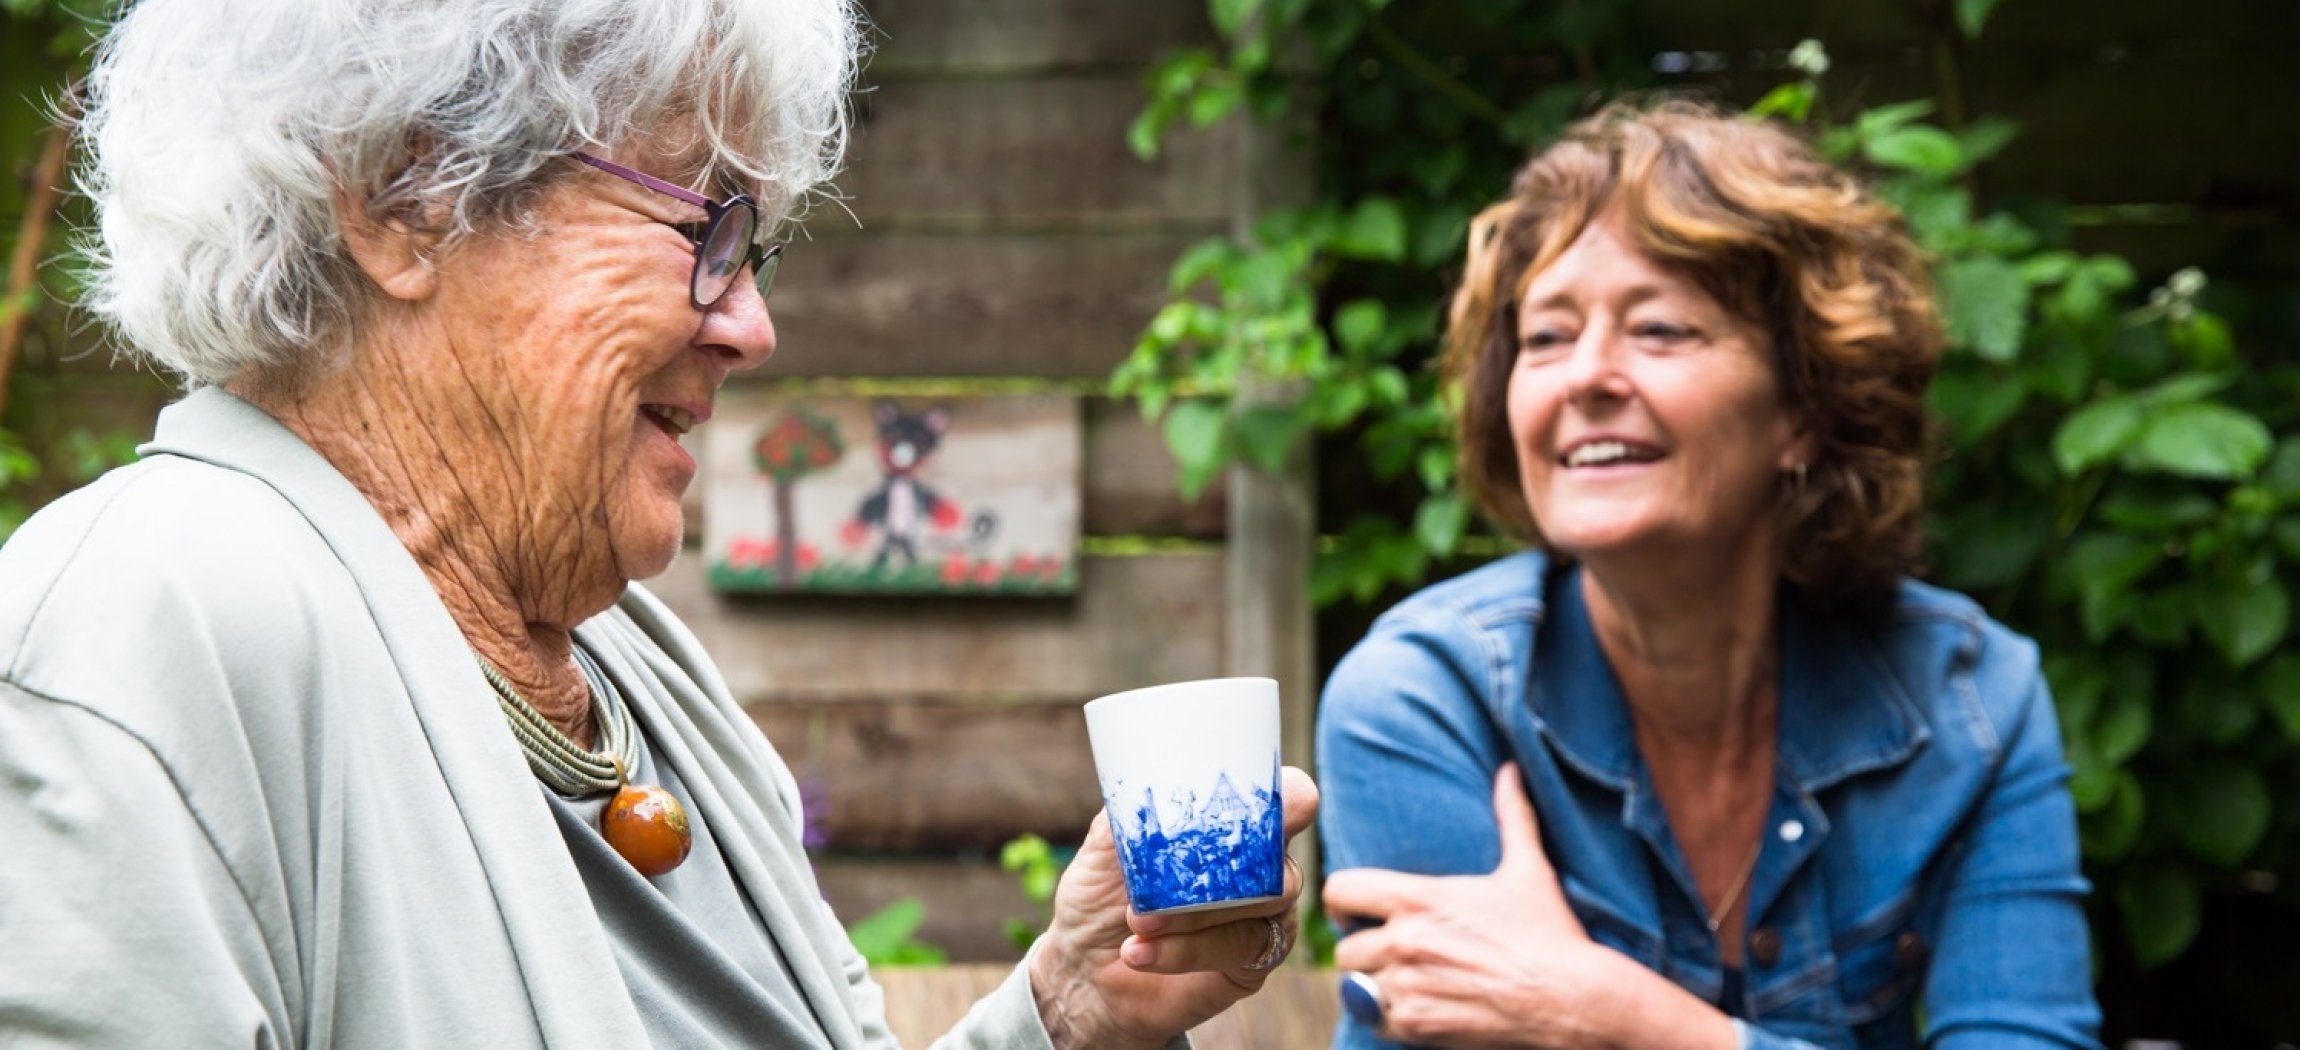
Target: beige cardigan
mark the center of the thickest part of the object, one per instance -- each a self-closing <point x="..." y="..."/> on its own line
<point x="254" y="792"/>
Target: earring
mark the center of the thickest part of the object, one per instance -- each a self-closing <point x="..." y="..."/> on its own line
<point x="1797" y="479"/>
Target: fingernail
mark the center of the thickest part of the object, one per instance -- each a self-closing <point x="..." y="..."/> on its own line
<point x="1138" y="953"/>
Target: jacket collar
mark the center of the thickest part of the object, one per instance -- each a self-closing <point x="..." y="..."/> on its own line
<point x="1843" y="709"/>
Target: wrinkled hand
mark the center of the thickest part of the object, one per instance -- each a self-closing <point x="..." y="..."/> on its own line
<point x="1476" y="961"/>
<point x="1109" y="979"/>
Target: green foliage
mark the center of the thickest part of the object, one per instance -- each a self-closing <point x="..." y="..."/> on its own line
<point x="1319" y="320"/>
<point x="2112" y="490"/>
<point x="2120" y="478"/>
<point x="1040" y="868"/>
<point x="889" y="936"/>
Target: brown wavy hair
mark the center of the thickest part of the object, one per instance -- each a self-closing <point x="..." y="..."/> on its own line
<point x="1782" y="239"/>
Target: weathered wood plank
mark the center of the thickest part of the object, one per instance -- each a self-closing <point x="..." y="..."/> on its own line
<point x="1295" y="1010"/>
<point x="1131" y="487"/>
<point x="1129" y="479"/>
<point x="1135" y="621"/>
<point x="1038" y="153"/>
<point x="931" y="775"/>
<point x="990" y="305"/>
<point x="1019" y="36"/>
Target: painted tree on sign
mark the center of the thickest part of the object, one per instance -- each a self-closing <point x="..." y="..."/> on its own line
<point x="796" y="444"/>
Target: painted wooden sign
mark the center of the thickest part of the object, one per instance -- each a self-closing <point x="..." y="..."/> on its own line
<point x="844" y="494"/>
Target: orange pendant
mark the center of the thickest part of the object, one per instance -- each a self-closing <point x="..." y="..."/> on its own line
<point x="648" y="827"/>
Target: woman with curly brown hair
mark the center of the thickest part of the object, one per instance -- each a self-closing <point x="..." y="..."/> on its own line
<point x="1786" y="795"/>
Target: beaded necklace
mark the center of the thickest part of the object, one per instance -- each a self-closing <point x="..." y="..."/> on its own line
<point x="643" y="823"/>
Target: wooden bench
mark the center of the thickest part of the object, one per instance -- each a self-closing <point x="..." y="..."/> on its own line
<point x="1295" y="1011"/>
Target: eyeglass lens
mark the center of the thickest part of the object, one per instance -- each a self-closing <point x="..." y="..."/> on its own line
<point x="726" y="248"/>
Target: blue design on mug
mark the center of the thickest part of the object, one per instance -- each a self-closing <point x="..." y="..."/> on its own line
<point x="1222" y="845"/>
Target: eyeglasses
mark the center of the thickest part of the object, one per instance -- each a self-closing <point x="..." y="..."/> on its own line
<point x="723" y="244"/>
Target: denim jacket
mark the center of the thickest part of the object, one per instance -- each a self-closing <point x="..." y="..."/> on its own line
<point x="1917" y="883"/>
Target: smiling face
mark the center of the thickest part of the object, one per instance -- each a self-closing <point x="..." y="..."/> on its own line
<point x="1644" y="415"/>
<point x="571" y="352"/>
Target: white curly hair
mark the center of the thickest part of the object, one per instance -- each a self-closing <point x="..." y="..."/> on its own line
<point x="218" y="132"/>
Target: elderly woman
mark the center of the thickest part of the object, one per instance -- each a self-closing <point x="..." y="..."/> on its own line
<point x="1786" y="796"/>
<point x="338" y="720"/>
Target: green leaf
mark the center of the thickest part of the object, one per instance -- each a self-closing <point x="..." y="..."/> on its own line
<point x="1988" y="306"/>
<point x="1215" y="99"/>
<point x="2206" y="340"/>
<point x="2161" y="620"/>
<point x="2203" y="440"/>
<point x="2280" y="686"/>
<point x="1230" y="15"/>
<point x="1920" y="148"/>
<point x="2105" y="565"/>
<point x="2244" y="619"/>
<point x="1144" y="131"/>
<point x="2184" y="388"/>
<point x="883" y="934"/>
<point x="2282" y="475"/>
<point x="2153" y="511"/>
<point x="1986" y="137"/>
<point x="1440" y="521"/>
<point x="1936" y="212"/>
<point x="2058" y="369"/>
<point x="1267" y="434"/>
<point x="1359" y="323"/>
<point x="1194" y="431"/>
<point x="1972" y="15"/>
<point x="1791" y="102"/>
<point x="1203" y="260"/>
<point x="2048" y="267"/>
<point x="2095" y="434"/>
<point x="2112" y="829"/>
<point x="2122" y="727"/>
<point x="1880" y="119"/>
<point x="1975" y="401"/>
<point x="1376" y="230"/>
<point x="2219" y="811"/>
<point x="2091" y="781"/>
<point x="2161" y="912"/>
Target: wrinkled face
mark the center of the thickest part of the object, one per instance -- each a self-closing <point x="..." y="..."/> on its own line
<point x="586" y="363"/>
<point x="1645" y="416"/>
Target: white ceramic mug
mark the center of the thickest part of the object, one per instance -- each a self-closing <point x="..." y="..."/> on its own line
<point x="1190" y="779"/>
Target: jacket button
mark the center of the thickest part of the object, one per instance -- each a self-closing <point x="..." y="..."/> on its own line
<point x="1911" y="951"/>
<point x="1765" y="946"/>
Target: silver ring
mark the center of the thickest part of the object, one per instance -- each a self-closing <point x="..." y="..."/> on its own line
<point x="1362" y="998"/>
<point x="1274" y="948"/>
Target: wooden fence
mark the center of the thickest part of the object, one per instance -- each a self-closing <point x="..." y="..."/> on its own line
<point x="1002" y="232"/>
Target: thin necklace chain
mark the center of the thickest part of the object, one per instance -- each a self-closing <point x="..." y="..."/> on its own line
<point x="1733" y="895"/>
<point x="560" y="763"/>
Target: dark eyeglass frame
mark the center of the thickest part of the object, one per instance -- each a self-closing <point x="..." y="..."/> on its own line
<point x="709" y="283"/>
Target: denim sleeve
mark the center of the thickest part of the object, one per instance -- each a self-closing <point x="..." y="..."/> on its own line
<point x="2012" y="966"/>
<point x="1406" y="760"/>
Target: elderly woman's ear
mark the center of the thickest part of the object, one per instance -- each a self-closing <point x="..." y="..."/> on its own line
<point x="395" y="253"/>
